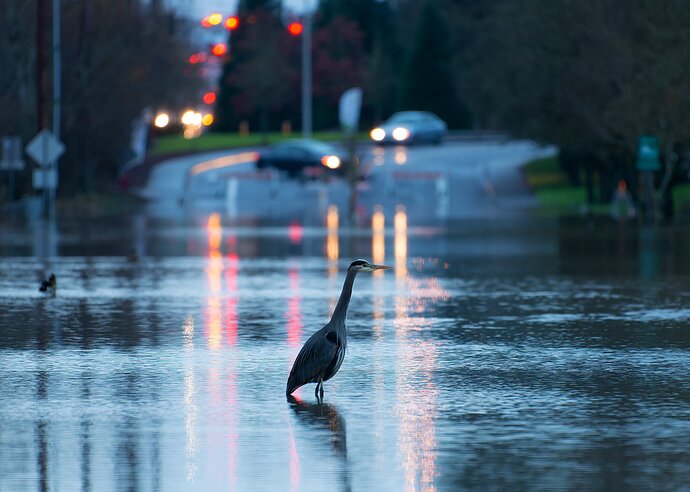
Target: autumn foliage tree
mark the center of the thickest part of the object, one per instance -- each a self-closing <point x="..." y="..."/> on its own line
<point x="339" y="64"/>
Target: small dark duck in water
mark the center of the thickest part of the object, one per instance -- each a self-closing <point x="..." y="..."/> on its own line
<point x="49" y="286"/>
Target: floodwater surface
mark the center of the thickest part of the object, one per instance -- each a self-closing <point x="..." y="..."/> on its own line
<point x="535" y="355"/>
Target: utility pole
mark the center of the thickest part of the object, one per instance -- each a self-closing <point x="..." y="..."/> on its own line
<point x="41" y="75"/>
<point x="306" y="73"/>
<point x="41" y="82"/>
<point x="57" y="94"/>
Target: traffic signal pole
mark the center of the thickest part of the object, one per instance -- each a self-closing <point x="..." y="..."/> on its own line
<point x="306" y="74"/>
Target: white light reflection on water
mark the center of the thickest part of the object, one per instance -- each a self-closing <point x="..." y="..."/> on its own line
<point x="214" y="270"/>
<point x="400" y="155"/>
<point x="222" y="384"/>
<point x="378" y="238"/>
<point x="415" y="387"/>
<point x="189" y="399"/>
<point x="378" y="349"/>
<point x="400" y="222"/>
<point x="549" y="379"/>
<point x="332" y="250"/>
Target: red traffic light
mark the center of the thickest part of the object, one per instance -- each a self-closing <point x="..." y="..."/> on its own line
<point x="232" y="23"/>
<point x="219" y="49"/>
<point x="197" y="58"/>
<point x="295" y="28"/>
<point x="209" y="98"/>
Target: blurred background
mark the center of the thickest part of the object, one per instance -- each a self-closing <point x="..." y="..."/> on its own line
<point x="199" y="174"/>
<point x="588" y="79"/>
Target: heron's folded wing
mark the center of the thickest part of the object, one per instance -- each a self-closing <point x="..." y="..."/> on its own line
<point x="315" y="356"/>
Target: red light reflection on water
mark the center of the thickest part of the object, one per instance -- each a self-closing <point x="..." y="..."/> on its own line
<point x="232" y="298"/>
<point x="222" y="319"/>
<point x="295" y="231"/>
<point x="212" y="316"/>
<point x="294" y="310"/>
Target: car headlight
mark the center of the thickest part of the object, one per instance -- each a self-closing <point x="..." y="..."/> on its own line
<point x="377" y="134"/>
<point x="401" y="133"/>
<point x="331" y="161"/>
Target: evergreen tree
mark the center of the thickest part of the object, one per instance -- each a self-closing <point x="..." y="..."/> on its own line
<point x="375" y="20"/>
<point x="429" y="84"/>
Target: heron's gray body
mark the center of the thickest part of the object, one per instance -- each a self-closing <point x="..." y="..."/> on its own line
<point x="320" y="358"/>
<point x="324" y="351"/>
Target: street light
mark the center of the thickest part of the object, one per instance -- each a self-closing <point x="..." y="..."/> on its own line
<point x="304" y="29"/>
<point x="306" y="76"/>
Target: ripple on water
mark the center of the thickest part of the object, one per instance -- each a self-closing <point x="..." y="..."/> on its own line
<point x="174" y="372"/>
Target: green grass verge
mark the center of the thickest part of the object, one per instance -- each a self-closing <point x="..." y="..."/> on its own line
<point x="557" y="196"/>
<point x="681" y="196"/>
<point x="216" y="141"/>
<point x="550" y="186"/>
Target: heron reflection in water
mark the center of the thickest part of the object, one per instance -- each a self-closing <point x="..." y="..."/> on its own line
<point x="322" y="415"/>
<point x="324" y="351"/>
<point x="325" y="416"/>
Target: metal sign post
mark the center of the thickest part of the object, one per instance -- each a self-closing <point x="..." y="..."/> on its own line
<point x="57" y="99"/>
<point x="45" y="149"/>
<point x="648" y="162"/>
<point x="306" y="73"/>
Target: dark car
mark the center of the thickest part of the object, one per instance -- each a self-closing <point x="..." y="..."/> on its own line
<point x="301" y="156"/>
<point x="407" y="127"/>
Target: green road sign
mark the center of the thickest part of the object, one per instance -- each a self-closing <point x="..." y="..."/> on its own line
<point x="648" y="153"/>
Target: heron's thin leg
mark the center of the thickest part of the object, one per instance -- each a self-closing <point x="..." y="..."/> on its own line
<point x="316" y="390"/>
<point x="322" y="390"/>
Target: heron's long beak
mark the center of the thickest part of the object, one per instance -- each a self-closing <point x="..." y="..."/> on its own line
<point x="379" y="267"/>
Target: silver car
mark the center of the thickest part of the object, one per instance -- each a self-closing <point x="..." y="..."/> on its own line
<point x="408" y="127"/>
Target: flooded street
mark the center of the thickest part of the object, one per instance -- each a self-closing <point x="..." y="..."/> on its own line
<point x="493" y="356"/>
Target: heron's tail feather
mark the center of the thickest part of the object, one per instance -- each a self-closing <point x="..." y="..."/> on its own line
<point x="292" y="385"/>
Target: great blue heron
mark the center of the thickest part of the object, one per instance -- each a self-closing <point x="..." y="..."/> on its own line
<point x="322" y="355"/>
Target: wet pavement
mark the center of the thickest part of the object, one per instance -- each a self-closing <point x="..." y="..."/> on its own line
<point x="505" y="354"/>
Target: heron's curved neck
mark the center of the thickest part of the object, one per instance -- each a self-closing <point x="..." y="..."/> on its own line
<point x="340" y="312"/>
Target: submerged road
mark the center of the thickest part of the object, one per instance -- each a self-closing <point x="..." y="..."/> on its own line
<point x="456" y="180"/>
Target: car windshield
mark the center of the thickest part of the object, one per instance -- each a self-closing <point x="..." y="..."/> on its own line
<point x="407" y="117"/>
<point x="308" y="145"/>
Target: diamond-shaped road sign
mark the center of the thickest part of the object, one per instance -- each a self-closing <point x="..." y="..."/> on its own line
<point x="44" y="148"/>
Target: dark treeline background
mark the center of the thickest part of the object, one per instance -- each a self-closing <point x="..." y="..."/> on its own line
<point x="118" y="58"/>
<point x="588" y="77"/>
<point x="401" y="53"/>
